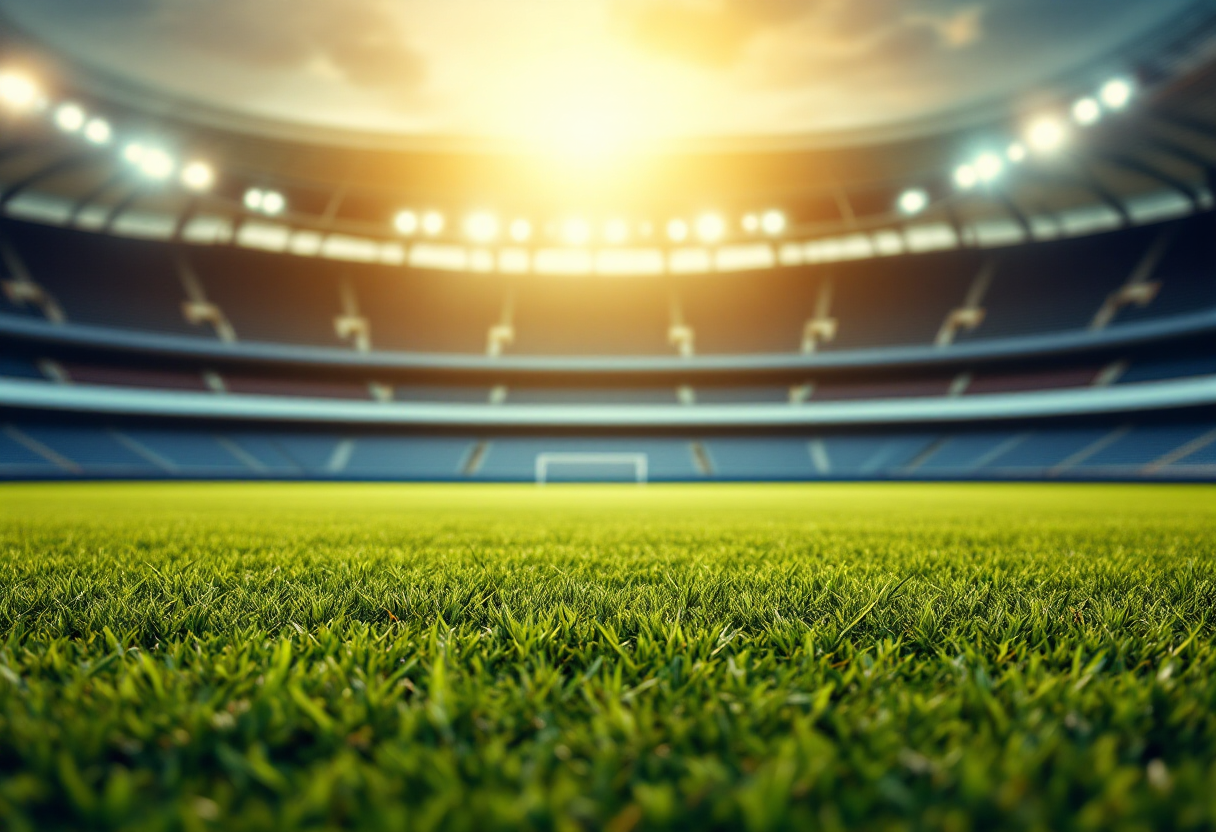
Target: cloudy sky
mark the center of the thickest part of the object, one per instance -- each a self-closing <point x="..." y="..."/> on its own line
<point x="571" y="70"/>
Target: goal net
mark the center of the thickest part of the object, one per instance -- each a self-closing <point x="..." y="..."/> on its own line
<point x="591" y="467"/>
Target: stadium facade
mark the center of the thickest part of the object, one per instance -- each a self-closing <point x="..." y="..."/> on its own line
<point x="1030" y="297"/>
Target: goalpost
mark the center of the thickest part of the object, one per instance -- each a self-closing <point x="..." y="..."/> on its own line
<point x="639" y="462"/>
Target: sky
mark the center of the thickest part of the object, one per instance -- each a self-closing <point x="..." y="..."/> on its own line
<point x="587" y="71"/>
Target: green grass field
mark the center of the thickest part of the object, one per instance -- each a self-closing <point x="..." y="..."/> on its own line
<point x="755" y="657"/>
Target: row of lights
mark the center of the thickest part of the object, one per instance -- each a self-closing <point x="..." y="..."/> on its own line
<point x="1043" y="136"/>
<point x="20" y="94"/>
<point x="484" y="227"/>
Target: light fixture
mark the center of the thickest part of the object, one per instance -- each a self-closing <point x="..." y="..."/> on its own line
<point x="432" y="223"/>
<point x="406" y="222"/>
<point x="521" y="230"/>
<point x="1046" y="134"/>
<point x="576" y="231"/>
<point x="481" y="227"/>
<point x="710" y="228"/>
<point x="616" y="231"/>
<point x="19" y="91"/>
<point x="155" y="163"/>
<point x="133" y="153"/>
<point x="270" y="203"/>
<point x="198" y="176"/>
<point x="989" y="166"/>
<point x="98" y="131"/>
<point x="913" y="201"/>
<point x="273" y="203"/>
<point x="965" y="177"/>
<point x="677" y="231"/>
<point x="773" y="223"/>
<point x="1016" y="153"/>
<point x="1116" y="93"/>
<point x="1087" y="111"/>
<point x="751" y="223"/>
<point x="69" y="117"/>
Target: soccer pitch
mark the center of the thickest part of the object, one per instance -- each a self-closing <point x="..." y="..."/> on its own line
<point x="268" y="656"/>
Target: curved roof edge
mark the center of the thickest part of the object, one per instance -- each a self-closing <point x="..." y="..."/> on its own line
<point x="1148" y="396"/>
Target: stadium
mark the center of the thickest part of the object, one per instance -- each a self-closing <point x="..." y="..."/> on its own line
<point x="867" y="358"/>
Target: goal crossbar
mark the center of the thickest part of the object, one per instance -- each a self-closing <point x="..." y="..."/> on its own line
<point x="639" y="462"/>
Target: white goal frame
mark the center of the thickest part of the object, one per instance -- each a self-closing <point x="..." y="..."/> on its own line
<point x="640" y="463"/>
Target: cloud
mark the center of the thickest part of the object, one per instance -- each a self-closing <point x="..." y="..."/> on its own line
<point x="361" y="41"/>
<point x="824" y="32"/>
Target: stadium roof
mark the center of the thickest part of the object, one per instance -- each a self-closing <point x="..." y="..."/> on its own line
<point x="569" y="73"/>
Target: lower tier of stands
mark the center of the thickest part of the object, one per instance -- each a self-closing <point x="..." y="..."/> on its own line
<point x="1133" y="449"/>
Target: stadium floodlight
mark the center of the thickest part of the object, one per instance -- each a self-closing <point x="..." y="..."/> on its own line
<point x="773" y="223"/>
<point x="751" y="223"/>
<point x="521" y="230"/>
<point x="989" y="166"/>
<point x="710" y="227"/>
<point x="576" y="231"/>
<point x="1117" y="93"/>
<point x="273" y="203"/>
<point x="432" y="223"/>
<point x="1046" y="134"/>
<point x="69" y="117"/>
<point x="1087" y="111"/>
<point x="254" y="198"/>
<point x="481" y="227"/>
<point x="965" y="177"/>
<point x="198" y="176"/>
<point x="155" y="163"/>
<point x="98" y="131"/>
<point x="406" y="222"/>
<point x="1016" y="153"/>
<point x="913" y="201"/>
<point x="134" y="152"/>
<point x="677" y="231"/>
<point x="18" y="91"/>
<point x="616" y="231"/>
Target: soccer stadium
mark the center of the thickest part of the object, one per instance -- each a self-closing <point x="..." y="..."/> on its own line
<point x="607" y="414"/>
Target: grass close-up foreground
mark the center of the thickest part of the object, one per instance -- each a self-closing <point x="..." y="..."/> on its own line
<point x="269" y="656"/>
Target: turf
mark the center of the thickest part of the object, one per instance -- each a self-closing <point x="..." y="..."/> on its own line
<point x="759" y="657"/>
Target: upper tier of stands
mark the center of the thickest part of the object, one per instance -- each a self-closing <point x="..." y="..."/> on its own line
<point x="945" y="297"/>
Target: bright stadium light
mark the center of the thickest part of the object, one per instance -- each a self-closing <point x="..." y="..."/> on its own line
<point x="481" y="227"/>
<point x="913" y="201"/>
<point x="155" y="163"/>
<point x="965" y="177"/>
<point x="616" y="231"/>
<point x="710" y="228"/>
<point x="432" y="223"/>
<point x="773" y="223"/>
<point x="133" y="153"/>
<point x="576" y="231"/>
<point x="989" y="166"/>
<point x="1117" y="93"/>
<point x="253" y="199"/>
<point x="677" y="231"/>
<point x="751" y="223"/>
<point x="18" y="91"/>
<point x="198" y="176"/>
<point x="1087" y="111"/>
<point x="98" y="131"/>
<point x="521" y="230"/>
<point x="406" y="222"/>
<point x="273" y="203"/>
<point x="1046" y="134"/>
<point x="69" y="117"/>
<point x="1016" y="153"/>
